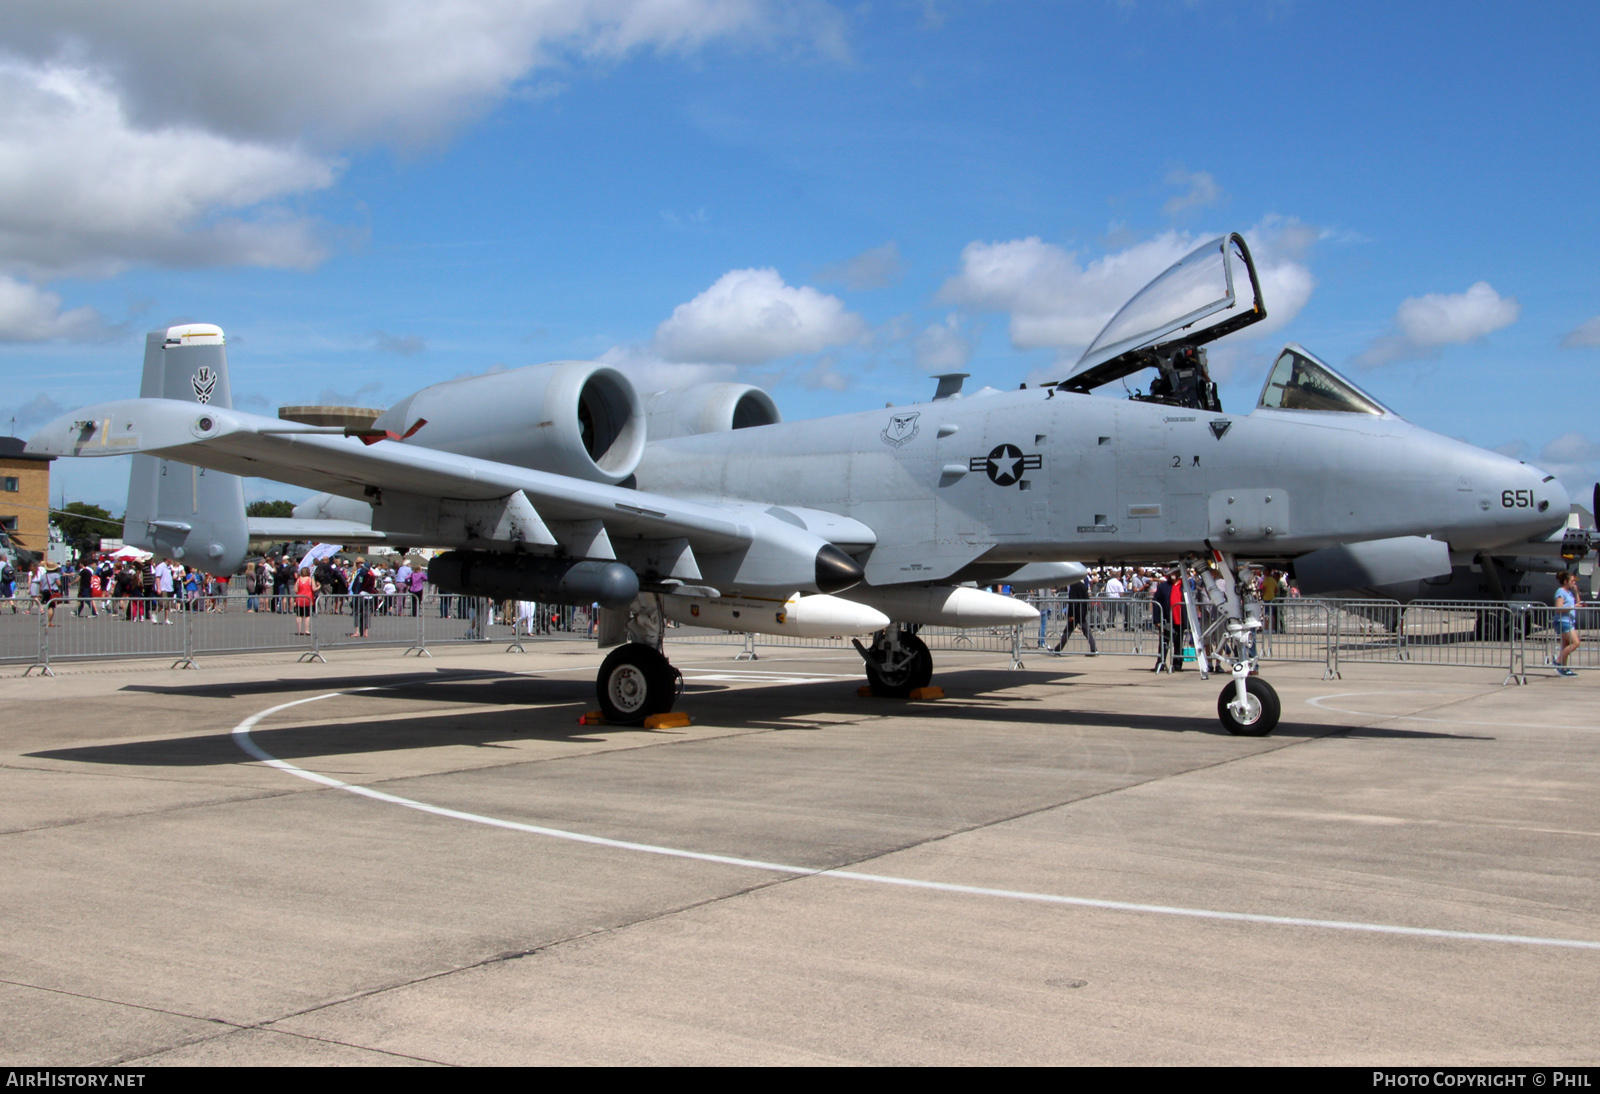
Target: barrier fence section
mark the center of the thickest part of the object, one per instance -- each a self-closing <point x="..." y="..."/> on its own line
<point x="182" y="630"/>
<point x="1542" y="637"/>
<point x="1334" y="632"/>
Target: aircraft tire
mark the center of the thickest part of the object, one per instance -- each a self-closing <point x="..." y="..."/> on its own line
<point x="1265" y="709"/>
<point x="635" y="681"/>
<point x="918" y="673"/>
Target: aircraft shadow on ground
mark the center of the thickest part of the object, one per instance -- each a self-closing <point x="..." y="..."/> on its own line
<point x="501" y="710"/>
<point x="423" y="684"/>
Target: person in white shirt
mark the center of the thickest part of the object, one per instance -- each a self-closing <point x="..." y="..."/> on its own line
<point x="163" y="574"/>
<point x="1114" y="590"/>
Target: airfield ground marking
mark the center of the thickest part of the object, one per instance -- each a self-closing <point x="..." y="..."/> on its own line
<point x="241" y="736"/>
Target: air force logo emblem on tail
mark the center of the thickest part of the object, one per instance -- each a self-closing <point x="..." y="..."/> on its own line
<point x="204" y="383"/>
<point x="901" y="428"/>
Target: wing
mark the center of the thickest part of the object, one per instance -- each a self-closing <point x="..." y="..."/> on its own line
<point x="452" y="500"/>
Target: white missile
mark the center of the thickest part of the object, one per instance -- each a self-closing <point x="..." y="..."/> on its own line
<point x="946" y="605"/>
<point x="817" y="616"/>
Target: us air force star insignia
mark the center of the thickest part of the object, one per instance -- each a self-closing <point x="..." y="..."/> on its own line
<point x="1005" y="464"/>
<point x="204" y="383"/>
<point x="901" y="428"/>
<point x="1219" y="426"/>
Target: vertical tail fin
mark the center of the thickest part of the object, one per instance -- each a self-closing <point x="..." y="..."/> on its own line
<point x="175" y="509"/>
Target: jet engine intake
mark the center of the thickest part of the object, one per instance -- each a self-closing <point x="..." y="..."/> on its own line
<point x="708" y="408"/>
<point x="530" y="577"/>
<point x="573" y="418"/>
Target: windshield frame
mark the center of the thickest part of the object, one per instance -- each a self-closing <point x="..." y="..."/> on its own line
<point x="1382" y="410"/>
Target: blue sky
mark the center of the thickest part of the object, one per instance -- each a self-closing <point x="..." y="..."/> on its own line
<point x="832" y="200"/>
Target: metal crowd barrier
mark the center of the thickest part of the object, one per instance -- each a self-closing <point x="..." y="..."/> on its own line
<point x="1542" y="641"/>
<point x="1334" y="632"/>
<point x="1337" y="632"/>
<point x="182" y="630"/>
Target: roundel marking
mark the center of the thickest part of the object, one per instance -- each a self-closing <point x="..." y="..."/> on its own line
<point x="1005" y="464"/>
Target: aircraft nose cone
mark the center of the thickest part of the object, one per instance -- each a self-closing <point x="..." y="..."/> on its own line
<point x="1529" y="503"/>
<point x="1556" y="494"/>
<point x="837" y="571"/>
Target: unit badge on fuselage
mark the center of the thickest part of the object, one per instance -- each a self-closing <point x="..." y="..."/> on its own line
<point x="901" y="428"/>
<point x="1005" y="464"/>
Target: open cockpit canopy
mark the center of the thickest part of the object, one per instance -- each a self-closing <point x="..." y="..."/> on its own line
<point x="1195" y="301"/>
<point x="1299" y="381"/>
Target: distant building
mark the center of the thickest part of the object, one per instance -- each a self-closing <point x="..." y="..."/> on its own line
<point x="24" y="496"/>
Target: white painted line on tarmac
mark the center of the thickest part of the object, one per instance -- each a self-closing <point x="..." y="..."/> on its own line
<point x="241" y="736"/>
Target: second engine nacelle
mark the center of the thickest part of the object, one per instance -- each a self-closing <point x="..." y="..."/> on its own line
<point x="708" y="408"/>
<point x="571" y="417"/>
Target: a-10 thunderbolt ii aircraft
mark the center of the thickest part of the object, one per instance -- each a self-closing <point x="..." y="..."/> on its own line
<point x="541" y="482"/>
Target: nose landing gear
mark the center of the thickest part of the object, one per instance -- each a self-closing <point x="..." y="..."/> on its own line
<point x="1251" y="711"/>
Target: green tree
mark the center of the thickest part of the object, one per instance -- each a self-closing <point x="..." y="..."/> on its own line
<point x="269" y="509"/>
<point x="83" y="524"/>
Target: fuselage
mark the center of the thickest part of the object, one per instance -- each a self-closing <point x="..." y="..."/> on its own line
<point x="1026" y="476"/>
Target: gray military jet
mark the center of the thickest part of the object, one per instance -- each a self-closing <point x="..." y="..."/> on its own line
<point x="557" y="483"/>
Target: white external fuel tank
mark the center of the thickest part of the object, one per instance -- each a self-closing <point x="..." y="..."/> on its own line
<point x="945" y="605"/>
<point x="816" y="616"/>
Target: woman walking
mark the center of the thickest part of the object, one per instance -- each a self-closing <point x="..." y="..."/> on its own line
<point x="1567" y="620"/>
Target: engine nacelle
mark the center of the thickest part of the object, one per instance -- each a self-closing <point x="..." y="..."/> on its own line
<point x="573" y="418"/>
<point x="708" y="408"/>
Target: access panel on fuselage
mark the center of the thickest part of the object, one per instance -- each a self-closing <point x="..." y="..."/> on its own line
<point x="1169" y="460"/>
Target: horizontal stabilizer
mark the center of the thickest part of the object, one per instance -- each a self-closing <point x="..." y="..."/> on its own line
<point x="1357" y="566"/>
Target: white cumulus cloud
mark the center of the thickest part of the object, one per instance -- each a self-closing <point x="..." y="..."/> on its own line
<point x="365" y="70"/>
<point x="943" y="347"/>
<point x="751" y="316"/>
<point x="181" y="133"/>
<point x="85" y="189"/>
<point x="650" y="372"/>
<point x="1424" y="324"/>
<point x="30" y="314"/>
<point x="1056" y="300"/>
<point x="1279" y="245"/>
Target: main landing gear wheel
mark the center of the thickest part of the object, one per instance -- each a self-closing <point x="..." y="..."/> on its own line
<point x="1259" y="715"/>
<point x="635" y="682"/>
<point x="915" y="670"/>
